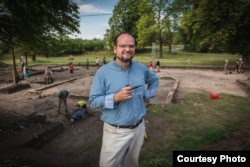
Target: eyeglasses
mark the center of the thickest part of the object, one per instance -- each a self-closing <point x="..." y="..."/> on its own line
<point x="127" y="46"/>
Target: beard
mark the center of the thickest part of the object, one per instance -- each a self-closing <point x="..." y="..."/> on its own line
<point x="123" y="59"/>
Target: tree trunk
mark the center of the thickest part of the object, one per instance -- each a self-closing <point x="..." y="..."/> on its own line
<point x="170" y="41"/>
<point x="160" y="50"/>
<point x="33" y="57"/>
<point x="169" y="48"/>
<point x="246" y="59"/>
<point x="26" y="59"/>
<point x="160" y="46"/>
<point x="15" y="73"/>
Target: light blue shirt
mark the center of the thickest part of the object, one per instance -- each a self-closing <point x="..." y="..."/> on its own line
<point x="109" y="79"/>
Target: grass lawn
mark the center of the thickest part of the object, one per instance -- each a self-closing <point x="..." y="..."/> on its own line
<point x="192" y="124"/>
<point x="175" y="59"/>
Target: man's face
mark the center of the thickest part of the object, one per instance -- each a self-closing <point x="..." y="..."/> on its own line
<point x="125" y="48"/>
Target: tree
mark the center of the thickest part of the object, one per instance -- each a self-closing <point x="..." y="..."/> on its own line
<point x="211" y="25"/>
<point x="162" y="31"/>
<point x="31" y="24"/>
<point x="147" y="20"/>
<point x="154" y="24"/>
<point x="146" y="24"/>
<point x="124" y="19"/>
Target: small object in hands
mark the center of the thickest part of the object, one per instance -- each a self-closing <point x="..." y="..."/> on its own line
<point x="214" y="96"/>
<point x="135" y="86"/>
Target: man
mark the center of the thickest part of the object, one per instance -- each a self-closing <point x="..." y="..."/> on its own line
<point x="71" y="68"/>
<point x="87" y="63"/>
<point x="62" y="96"/>
<point x="97" y="62"/>
<point x="241" y="70"/>
<point x="118" y="90"/>
<point x="48" y="79"/>
<point x="158" y="65"/>
<point x="80" y="111"/>
<point x="226" y="64"/>
<point x="26" y="73"/>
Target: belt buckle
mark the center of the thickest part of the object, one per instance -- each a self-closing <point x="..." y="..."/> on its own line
<point x="131" y="126"/>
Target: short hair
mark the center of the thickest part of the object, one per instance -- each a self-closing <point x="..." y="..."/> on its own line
<point x="115" y="40"/>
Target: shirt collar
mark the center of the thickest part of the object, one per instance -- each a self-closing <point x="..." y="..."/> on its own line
<point x="116" y="65"/>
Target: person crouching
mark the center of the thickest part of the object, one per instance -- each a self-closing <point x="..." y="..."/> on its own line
<point x="80" y="111"/>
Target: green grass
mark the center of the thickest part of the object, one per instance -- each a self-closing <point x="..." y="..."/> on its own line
<point x="180" y="58"/>
<point x="192" y="124"/>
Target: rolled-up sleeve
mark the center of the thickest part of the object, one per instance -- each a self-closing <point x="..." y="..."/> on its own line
<point x="109" y="101"/>
<point x="148" y="94"/>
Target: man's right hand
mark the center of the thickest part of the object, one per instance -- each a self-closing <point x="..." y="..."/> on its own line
<point x="123" y="94"/>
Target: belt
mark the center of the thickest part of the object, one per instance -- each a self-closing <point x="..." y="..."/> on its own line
<point x="128" y="126"/>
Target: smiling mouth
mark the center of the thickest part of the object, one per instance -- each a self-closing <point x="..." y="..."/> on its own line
<point x="127" y="55"/>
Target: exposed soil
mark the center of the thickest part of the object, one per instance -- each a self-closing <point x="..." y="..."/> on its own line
<point x="68" y="145"/>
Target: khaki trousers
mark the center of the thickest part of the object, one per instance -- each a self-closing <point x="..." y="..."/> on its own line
<point x="121" y="146"/>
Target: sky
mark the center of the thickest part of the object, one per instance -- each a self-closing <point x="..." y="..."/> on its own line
<point x="95" y="15"/>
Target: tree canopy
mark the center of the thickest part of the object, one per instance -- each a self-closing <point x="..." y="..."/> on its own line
<point x="202" y="26"/>
<point x="217" y="26"/>
<point x="32" y="25"/>
<point x="148" y="20"/>
<point x="124" y="19"/>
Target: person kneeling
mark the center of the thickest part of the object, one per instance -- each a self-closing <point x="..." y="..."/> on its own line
<point x="80" y="111"/>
